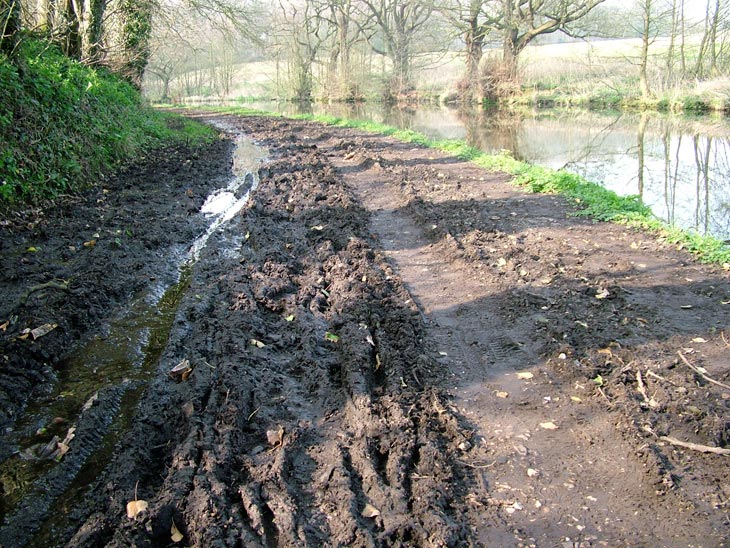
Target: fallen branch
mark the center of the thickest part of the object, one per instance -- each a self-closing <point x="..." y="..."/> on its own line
<point x="701" y="374"/>
<point x="696" y="446"/>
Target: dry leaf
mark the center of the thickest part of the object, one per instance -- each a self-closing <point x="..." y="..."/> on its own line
<point x="698" y="340"/>
<point x="134" y="507"/>
<point x="502" y="394"/>
<point x="175" y="533"/>
<point x="4" y="326"/>
<point x="257" y="343"/>
<point x="502" y="261"/>
<point x="602" y="294"/>
<point x="525" y="375"/>
<point x="275" y="437"/>
<point x="549" y="425"/>
<point x="370" y="511"/>
<point x="90" y="243"/>
<point x="44" y="329"/>
<point x="576" y="399"/>
<point x="182" y="370"/>
<point x="606" y="351"/>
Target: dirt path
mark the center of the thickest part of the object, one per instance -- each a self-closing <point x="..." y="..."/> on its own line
<point x="393" y="348"/>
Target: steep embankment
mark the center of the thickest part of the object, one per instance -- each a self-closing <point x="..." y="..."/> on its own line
<point x="63" y="125"/>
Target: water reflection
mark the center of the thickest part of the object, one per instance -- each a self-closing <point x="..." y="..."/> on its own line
<point x="679" y="166"/>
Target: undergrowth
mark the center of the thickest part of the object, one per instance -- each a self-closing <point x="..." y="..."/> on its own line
<point x="589" y="198"/>
<point x="63" y="125"/>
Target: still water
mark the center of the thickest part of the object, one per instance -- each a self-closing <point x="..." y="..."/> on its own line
<point x="679" y="166"/>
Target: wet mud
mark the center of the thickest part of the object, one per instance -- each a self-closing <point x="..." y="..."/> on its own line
<point x="384" y="347"/>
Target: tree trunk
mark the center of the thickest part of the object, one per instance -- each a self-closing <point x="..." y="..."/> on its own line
<point x="93" y="18"/>
<point x="136" y="30"/>
<point x="644" y="61"/>
<point x="9" y="25"/>
<point x="474" y="51"/>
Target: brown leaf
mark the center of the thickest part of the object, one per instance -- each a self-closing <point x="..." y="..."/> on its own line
<point x="275" y="437"/>
<point x="135" y="507"/>
<point x="175" y="533"/>
<point x="44" y="329"/>
<point x="182" y="370"/>
<point x="370" y="511"/>
<point x="4" y="326"/>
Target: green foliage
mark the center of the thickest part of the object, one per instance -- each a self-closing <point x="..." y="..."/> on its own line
<point x="63" y="124"/>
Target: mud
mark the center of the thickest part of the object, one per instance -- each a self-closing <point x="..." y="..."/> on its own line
<point x="389" y="347"/>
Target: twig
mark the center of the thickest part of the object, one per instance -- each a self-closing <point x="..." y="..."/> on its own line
<point x="696" y="446"/>
<point x="651" y="402"/>
<point x="478" y="466"/>
<point x="701" y="374"/>
<point x="604" y="395"/>
<point x="659" y="378"/>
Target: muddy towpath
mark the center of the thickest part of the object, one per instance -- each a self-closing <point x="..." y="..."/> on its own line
<point x="353" y="342"/>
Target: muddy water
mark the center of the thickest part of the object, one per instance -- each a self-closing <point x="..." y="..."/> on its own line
<point x="679" y="166"/>
<point x="99" y="385"/>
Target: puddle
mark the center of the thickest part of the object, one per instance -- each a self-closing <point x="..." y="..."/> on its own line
<point x="99" y="386"/>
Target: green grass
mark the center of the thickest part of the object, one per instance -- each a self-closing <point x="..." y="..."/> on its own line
<point x="590" y="199"/>
<point x="64" y="124"/>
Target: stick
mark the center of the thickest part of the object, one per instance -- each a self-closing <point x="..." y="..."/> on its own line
<point x="696" y="446"/>
<point x="660" y="378"/>
<point x="701" y="374"/>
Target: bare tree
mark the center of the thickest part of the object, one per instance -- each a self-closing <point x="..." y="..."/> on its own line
<point x="397" y="26"/>
<point x="519" y="22"/>
<point x="469" y="18"/>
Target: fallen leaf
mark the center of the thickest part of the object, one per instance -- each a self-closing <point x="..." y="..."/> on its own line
<point x="606" y="351"/>
<point x="290" y="318"/>
<point x="318" y="228"/>
<point x="502" y="394"/>
<point x="31" y="250"/>
<point x="175" y="533"/>
<point x="582" y="324"/>
<point x="377" y="362"/>
<point x="181" y="370"/>
<point x="90" y="243"/>
<point x="531" y="473"/>
<point x="4" y="326"/>
<point x="598" y="381"/>
<point x="134" y="507"/>
<point x="44" y="329"/>
<point x="370" y="511"/>
<point x="257" y="343"/>
<point x="603" y="294"/>
<point x="370" y="341"/>
<point x="576" y="399"/>
<point x="525" y="375"/>
<point x="331" y="337"/>
<point x="275" y="437"/>
<point x="549" y="425"/>
<point x="698" y="340"/>
<point x="502" y="261"/>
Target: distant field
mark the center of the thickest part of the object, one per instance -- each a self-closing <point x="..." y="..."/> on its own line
<point x="603" y="66"/>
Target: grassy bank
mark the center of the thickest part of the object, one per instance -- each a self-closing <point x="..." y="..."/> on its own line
<point x="64" y="124"/>
<point x="591" y="199"/>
